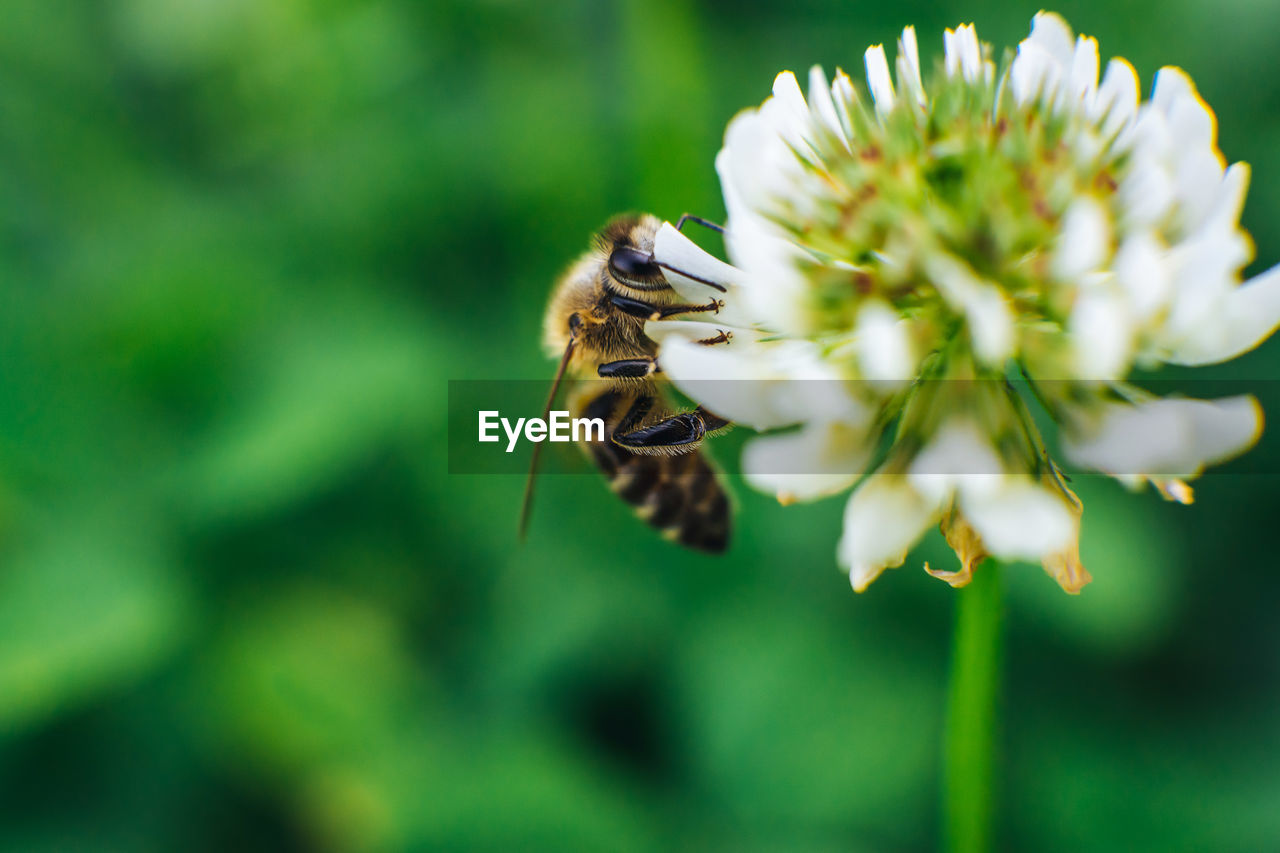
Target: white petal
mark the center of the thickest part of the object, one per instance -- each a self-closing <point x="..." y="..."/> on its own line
<point x="1204" y="284"/>
<point x="1250" y="315"/>
<point x="882" y="520"/>
<point x="1033" y="73"/>
<point x="990" y="321"/>
<point x="1193" y="122"/>
<point x="1172" y="85"/>
<point x="908" y="63"/>
<point x="1223" y="428"/>
<point x="761" y="385"/>
<point x="823" y="106"/>
<point x="1117" y="100"/>
<point x="1085" y="242"/>
<point x="731" y="382"/>
<point x="773" y="288"/>
<point x="1146" y="194"/>
<point x="1164" y="438"/>
<point x="950" y="52"/>
<point x="1019" y="521"/>
<point x="963" y="55"/>
<point x="878" y="79"/>
<point x="1228" y="201"/>
<point x="660" y="331"/>
<point x="673" y="249"/>
<point x="698" y="276"/>
<point x="1101" y="334"/>
<point x="761" y="161"/>
<point x="985" y="307"/>
<point x="755" y="165"/>
<point x="819" y="460"/>
<point x="846" y="99"/>
<point x="1083" y="76"/>
<point x="787" y="111"/>
<point x="1197" y="180"/>
<point x="958" y="454"/>
<point x="884" y="344"/>
<point x="811" y="388"/>
<point x="1143" y="273"/>
<point x="1051" y="33"/>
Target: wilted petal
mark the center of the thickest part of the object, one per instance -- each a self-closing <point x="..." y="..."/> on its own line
<point x="1064" y="565"/>
<point x="968" y="548"/>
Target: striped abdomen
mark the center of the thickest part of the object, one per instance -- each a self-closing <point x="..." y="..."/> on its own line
<point x="677" y="493"/>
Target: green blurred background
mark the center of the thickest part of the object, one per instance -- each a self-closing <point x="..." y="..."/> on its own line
<point x="245" y="244"/>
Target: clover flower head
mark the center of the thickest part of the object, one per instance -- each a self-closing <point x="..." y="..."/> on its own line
<point x="951" y="250"/>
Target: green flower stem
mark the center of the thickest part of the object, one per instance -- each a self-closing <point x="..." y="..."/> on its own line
<point x="968" y="783"/>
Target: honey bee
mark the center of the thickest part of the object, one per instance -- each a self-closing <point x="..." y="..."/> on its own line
<point x="650" y="452"/>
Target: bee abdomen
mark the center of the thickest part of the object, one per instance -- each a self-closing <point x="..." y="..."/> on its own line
<point x="678" y="495"/>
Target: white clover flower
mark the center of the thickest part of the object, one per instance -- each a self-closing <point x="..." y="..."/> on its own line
<point x="963" y="229"/>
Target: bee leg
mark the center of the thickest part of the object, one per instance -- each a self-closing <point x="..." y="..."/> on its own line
<point x="646" y="311"/>
<point x="722" y="338"/>
<point x="711" y="421"/>
<point x="685" y="430"/>
<point x="713" y="305"/>
<point x="635" y="413"/>
<point x="628" y="368"/>
<point x="705" y="223"/>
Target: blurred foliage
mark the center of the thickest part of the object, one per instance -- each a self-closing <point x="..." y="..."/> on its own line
<point x="244" y="246"/>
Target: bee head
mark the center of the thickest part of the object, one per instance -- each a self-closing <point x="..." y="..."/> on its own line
<point x="636" y="268"/>
<point x="629" y="241"/>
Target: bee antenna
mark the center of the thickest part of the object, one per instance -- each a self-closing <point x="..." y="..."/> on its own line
<point x="705" y="223"/>
<point x="527" y="506"/>
<point x="697" y="278"/>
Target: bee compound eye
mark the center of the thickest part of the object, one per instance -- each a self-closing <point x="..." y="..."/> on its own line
<point x="631" y="264"/>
